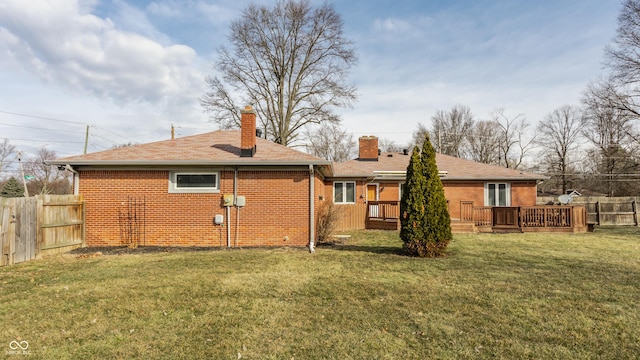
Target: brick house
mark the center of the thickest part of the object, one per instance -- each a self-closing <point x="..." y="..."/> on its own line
<point x="233" y="188"/>
<point x="168" y="193"/>
<point x="376" y="178"/>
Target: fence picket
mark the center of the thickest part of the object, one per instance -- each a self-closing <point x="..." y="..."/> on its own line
<point x="41" y="225"/>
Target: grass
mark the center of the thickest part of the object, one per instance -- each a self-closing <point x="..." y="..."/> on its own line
<point x="507" y="296"/>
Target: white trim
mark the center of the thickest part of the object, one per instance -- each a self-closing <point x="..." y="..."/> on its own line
<point x="344" y="192"/>
<point x="173" y="188"/>
<point x="497" y="193"/>
<point x="366" y="188"/>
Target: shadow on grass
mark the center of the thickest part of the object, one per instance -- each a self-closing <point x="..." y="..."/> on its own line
<point x="389" y="250"/>
<point x="119" y="250"/>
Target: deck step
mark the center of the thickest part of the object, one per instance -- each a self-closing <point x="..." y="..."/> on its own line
<point x="462" y="227"/>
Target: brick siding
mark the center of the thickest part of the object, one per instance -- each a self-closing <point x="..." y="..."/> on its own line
<point x="276" y="211"/>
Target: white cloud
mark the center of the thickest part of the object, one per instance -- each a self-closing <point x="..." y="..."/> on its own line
<point x="63" y="43"/>
<point x="215" y="13"/>
<point x="394" y="25"/>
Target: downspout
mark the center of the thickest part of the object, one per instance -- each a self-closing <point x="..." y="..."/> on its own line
<point x="235" y="197"/>
<point x="235" y="194"/>
<point x="312" y="228"/>
<point x="76" y="179"/>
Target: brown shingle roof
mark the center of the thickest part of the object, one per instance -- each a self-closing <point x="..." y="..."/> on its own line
<point x="456" y="168"/>
<point x="217" y="147"/>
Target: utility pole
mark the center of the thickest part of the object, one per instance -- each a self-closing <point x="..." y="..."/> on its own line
<point x="24" y="180"/>
<point x="86" y="139"/>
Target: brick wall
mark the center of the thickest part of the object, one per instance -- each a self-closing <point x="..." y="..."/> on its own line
<point x="389" y="191"/>
<point x="276" y="211"/>
<point x="522" y="193"/>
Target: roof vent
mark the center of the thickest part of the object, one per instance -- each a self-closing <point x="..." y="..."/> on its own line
<point x="405" y="151"/>
<point x="389" y="155"/>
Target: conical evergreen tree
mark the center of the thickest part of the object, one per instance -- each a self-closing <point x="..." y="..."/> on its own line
<point x="437" y="222"/>
<point x="412" y="205"/>
<point x="12" y="188"/>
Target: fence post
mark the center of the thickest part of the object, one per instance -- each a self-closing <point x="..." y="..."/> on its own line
<point x="598" y="212"/>
<point x="634" y="206"/>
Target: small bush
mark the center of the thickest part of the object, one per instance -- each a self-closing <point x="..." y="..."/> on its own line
<point x="328" y="217"/>
<point x="12" y="188"/>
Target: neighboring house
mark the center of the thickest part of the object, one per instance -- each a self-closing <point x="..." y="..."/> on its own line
<point x="168" y="193"/>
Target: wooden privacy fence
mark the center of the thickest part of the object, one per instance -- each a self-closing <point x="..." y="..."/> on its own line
<point x="606" y="210"/>
<point x="41" y="225"/>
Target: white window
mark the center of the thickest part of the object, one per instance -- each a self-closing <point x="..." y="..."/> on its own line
<point x="497" y="194"/>
<point x="344" y="192"/>
<point x="193" y="182"/>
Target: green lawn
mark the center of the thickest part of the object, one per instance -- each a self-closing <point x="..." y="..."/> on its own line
<point x="509" y="296"/>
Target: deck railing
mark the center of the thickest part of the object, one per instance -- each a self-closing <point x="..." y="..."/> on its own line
<point x="553" y="217"/>
<point x="383" y="215"/>
<point x="386" y="215"/>
<point x="384" y="209"/>
<point x="483" y="215"/>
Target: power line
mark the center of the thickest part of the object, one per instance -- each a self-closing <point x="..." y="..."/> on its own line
<point x="61" y="120"/>
<point x="42" y="117"/>
<point x="48" y="141"/>
<point x="39" y="128"/>
<point x="111" y="132"/>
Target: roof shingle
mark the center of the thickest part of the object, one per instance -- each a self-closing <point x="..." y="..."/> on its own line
<point x="456" y="168"/>
<point x="217" y="147"/>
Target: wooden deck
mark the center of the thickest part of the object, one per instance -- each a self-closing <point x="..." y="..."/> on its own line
<point x="385" y="215"/>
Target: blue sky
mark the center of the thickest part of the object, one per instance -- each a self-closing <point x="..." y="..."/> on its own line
<point x="130" y="69"/>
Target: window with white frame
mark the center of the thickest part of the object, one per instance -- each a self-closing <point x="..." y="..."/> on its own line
<point x="497" y="194"/>
<point x="344" y="192"/>
<point x="193" y="182"/>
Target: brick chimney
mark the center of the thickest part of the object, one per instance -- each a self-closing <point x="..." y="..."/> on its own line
<point x="248" y="132"/>
<point x="368" y="146"/>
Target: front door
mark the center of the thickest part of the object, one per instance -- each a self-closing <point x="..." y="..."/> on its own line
<point x="372" y="192"/>
<point x="372" y="195"/>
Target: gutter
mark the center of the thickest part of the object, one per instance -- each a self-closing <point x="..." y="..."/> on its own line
<point x="254" y="162"/>
<point x="76" y="179"/>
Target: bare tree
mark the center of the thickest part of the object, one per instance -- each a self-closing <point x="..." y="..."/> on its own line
<point x="623" y="59"/>
<point x="48" y="179"/>
<point x="332" y="143"/>
<point x="122" y="145"/>
<point x="483" y="144"/>
<point x="388" y="145"/>
<point x="515" y="143"/>
<point x="290" y="62"/>
<point x="610" y="130"/>
<point x="451" y="129"/>
<point x="559" y="133"/>
<point x="418" y="136"/>
<point x="7" y="154"/>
